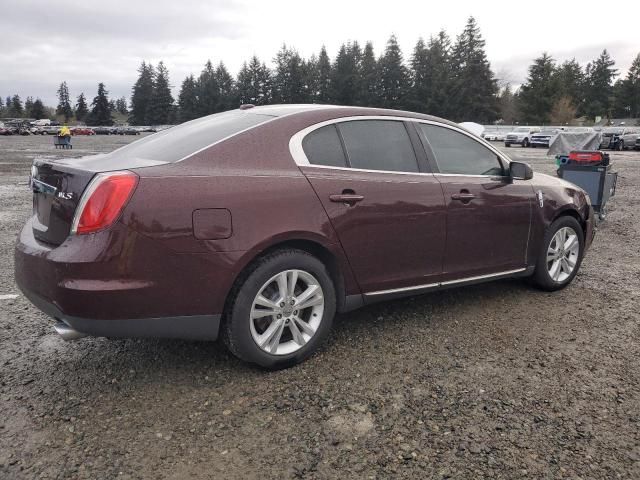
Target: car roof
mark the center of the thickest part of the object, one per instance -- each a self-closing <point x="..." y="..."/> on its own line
<point x="339" y="111"/>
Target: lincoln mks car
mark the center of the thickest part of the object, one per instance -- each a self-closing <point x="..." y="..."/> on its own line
<point x="257" y="225"/>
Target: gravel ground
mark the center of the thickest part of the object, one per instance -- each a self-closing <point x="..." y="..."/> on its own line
<point x="490" y="381"/>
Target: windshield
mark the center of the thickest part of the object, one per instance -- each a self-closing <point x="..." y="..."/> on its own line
<point x="178" y="142"/>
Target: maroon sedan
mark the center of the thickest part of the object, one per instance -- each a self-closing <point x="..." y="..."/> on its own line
<point x="259" y="224"/>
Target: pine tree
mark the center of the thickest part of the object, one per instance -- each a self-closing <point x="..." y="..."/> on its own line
<point x="161" y="102"/>
<point x="508" y="106"/>
<point x="16" y="106"/>
<point x="344" y="78"/>
<point x="141" y="94"/>
<point x="81" y="108"/>
<point x="208" y="91"/>
<point x="288" y="79"/>
<point x="393" y="76"/>
<point x="254" y="83"/>
<point x="64" y="107"/>
<point x="539" y="92"/>
<point x="37" y="110"/>
<point x="571" y="83"/>
<point x="100" y="112"/>
<point x="1" y="108"/>
<point x="599" y="86"/>
<point x="368" y="92"/>
<point x="323" y="79"/>
<point x="473" y="87"/>
<point x="121" y="106"/>
<point x="7" y="105"/>
<point x="188" y="100"/>
<point x="28" y="107"/>
<point x="228" y="96"/>
<point x="627" y="92"/>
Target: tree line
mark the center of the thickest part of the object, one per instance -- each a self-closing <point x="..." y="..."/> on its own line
<point x="442" y="77"/>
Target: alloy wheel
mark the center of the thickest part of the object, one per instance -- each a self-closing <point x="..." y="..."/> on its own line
<point x="287" y="312"/>
<point x="562" y="254"/>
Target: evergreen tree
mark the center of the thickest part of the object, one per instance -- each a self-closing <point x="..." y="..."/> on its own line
<point x="16" y="106"/>
<point x="508" y="106"/>
<point x="208" y="91"/>
<point x="161" y="102"/>
<point x="344" y="78"/>
<point x="7" y="105"/>
<point x="81" y="108"/>
<point x="100" y="112"/>
<point x="368" y="93"/>
<point x="473" y="86"/>
<point x="393" y="76"/>
<point x="188" y="100"/>
<point x="228" y="96"/>
<point x="64" y="106"/>
<point x="288" y="79"/>
<point x="627" y="92"/>
<point x="141" y="94"/>
<point x="539" y="92"/>
<point x="1" y="108"/>
<point x="112" y="106"/>
<point x="323" y="78"/>
<point x="28" y="107"/>
<point x="599" y="86"/>
<point x="121" y="106"/>
<point x="37" y="110"/>
<point x="570" y="83"/>
<point x="254" y="83"/>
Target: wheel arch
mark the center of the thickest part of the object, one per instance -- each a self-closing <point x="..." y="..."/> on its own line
<point x="572" y="212"/>
<point x="329" y="254"/>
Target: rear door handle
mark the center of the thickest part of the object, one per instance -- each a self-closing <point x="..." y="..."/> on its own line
<point x="347" y="198"/>
<point x="464" y="196"/>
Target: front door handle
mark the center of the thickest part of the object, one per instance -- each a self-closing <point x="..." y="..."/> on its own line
<point x="464" y="196"/>
<point x="348" y="197"/>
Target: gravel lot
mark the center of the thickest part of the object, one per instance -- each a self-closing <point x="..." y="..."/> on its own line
<point x="490" y="381"/>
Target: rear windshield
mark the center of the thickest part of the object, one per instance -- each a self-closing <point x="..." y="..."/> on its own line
<point x="187" y="138"/>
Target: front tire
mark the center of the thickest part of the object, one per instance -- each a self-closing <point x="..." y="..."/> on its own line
<point x="560" y="256"/>
<point x="281" y="311"/>
<point x="525" y="143"/>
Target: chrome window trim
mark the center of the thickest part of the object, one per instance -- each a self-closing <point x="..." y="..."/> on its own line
<point x="443" y="284"/>
<point x="300" y="158"/>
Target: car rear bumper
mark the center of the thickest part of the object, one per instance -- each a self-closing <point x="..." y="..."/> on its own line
<point x="118" y="283"/>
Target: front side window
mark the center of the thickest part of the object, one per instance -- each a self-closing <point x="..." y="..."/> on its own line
<point x="378" y="145"/>
<point x="457" y="153"/>
<point x="323" y="147"/>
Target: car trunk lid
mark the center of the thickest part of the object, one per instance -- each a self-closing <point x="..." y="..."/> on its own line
<point x="58" y="186"/>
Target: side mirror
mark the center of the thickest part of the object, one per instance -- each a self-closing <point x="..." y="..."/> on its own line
<point x="520" y="171"/>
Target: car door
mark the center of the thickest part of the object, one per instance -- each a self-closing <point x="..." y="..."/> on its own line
<point x="386" y="208"/>
<point x="488" y="213"/>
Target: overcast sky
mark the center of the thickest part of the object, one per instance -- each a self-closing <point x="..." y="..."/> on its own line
<point x="85" y="42"/>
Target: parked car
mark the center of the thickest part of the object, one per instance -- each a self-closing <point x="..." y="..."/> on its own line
<point x="521" y="136"/>
<point x="126" y="131"/>
<point x="5" y="131"/>
<point x="611" y="137"/>
<point x="258" y="224"/>
<point x="82" y="131"/>
<point x="492" y="135"/>
<point x="103" y="130"/>
<point x="543" y="137"/>
<point x="629" y="138"/>
<point x="49" y="130"/>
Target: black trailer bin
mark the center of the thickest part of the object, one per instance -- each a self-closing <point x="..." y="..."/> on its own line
<point x="597" y="180"/>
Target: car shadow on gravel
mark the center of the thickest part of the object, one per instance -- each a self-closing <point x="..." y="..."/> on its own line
<point x="174" y="360"/>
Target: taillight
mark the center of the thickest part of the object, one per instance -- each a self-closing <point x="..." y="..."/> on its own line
<point x="103" y="200"/>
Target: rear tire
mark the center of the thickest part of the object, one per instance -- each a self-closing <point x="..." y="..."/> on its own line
<point x="259" y="304"/>
<point x="558" y="262"/>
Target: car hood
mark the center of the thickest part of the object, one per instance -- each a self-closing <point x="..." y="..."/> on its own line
<point x="544" y="180"/>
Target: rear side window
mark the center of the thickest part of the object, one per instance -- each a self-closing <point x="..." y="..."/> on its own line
<point x="378" y="145"/>
<point x="323" y="147"/>
<point x="183" y="140"/>
<point x="460" y="154"/>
